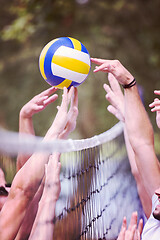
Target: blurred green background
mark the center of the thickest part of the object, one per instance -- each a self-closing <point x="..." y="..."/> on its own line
<point x="110" y="29"/>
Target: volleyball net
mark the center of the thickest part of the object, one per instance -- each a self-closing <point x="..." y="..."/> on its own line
<point x="97" y="187"/>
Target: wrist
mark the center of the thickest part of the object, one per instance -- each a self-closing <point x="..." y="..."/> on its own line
<point x="130" y="84"/>
<point x="24" y="115"/>
<point x="52" y="134"/>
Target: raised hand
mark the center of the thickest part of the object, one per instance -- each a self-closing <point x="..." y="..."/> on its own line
<point x="155" y="107"/>
<point x="38" y="103"/>
<point x="65" y="120"/>
<point x="72" y="116"/>
<point x="133" y="232"/>
<point x="35" y="105"/>
<point x="122" y="75"/>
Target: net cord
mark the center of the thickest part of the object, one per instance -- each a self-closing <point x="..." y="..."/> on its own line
<point x="12" y="144"/>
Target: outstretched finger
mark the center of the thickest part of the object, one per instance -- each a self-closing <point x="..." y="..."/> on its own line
<point x="115" y="85"/>
<point x="112" y="109"/>
<point x="133" y="220"/>
<point x="39" y="100"/>
<point x="64" y="103"/>
<point x="75" y="99"/>
<point x="71" y="124"/>
<point x="97" y="60"/>
<point x="121" y="235"/>
<point x="116" y="113"/>
<point x="110" y="96"/>
<point x="155" y="109"/>
<point x="70" y="94"/>
<point x="107" y="88"/>
<point x="103" y="67"/>
<point x="71" y="116"/>
<point x="140" y="226"/>
<point x="48" y="91"/>
<point x="157" y="92"/>
<point x="50" y="99"/>
<point x="155" y="103"/>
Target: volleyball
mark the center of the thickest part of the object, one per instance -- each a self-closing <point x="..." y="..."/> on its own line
<point x="64" y="62"/>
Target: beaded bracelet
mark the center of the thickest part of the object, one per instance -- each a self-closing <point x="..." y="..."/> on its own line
<point x="131" y="84"/>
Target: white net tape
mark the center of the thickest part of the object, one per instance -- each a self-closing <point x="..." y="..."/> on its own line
<point x="11" y="143"/>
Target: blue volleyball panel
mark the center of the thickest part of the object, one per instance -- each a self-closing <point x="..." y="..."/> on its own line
<point x="84" y="49"/>
<point x="75" y="84"/>
<point x="54" y="80"/>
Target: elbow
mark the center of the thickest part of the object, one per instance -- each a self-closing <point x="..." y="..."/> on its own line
<point x="20" y="191"/>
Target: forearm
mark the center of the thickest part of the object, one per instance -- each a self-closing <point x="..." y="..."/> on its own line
<point x="24" y="188"/>
<point x="25" y="126"/>
<point x="141" y="137"/>
<point x="44" y="223"/>
<point x="138" y="125"/>
<point x="29" y="177"/>
<point x="130" y="152"/>
<point x="143" y="195"/>
<point x="51" y="134"/>
<point x="28" y="221"/>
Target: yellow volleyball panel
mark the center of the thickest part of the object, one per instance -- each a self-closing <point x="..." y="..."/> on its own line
<point x="66" y="83"/>
<point x="71" y="64"/>
<point x="76" y="44"/>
